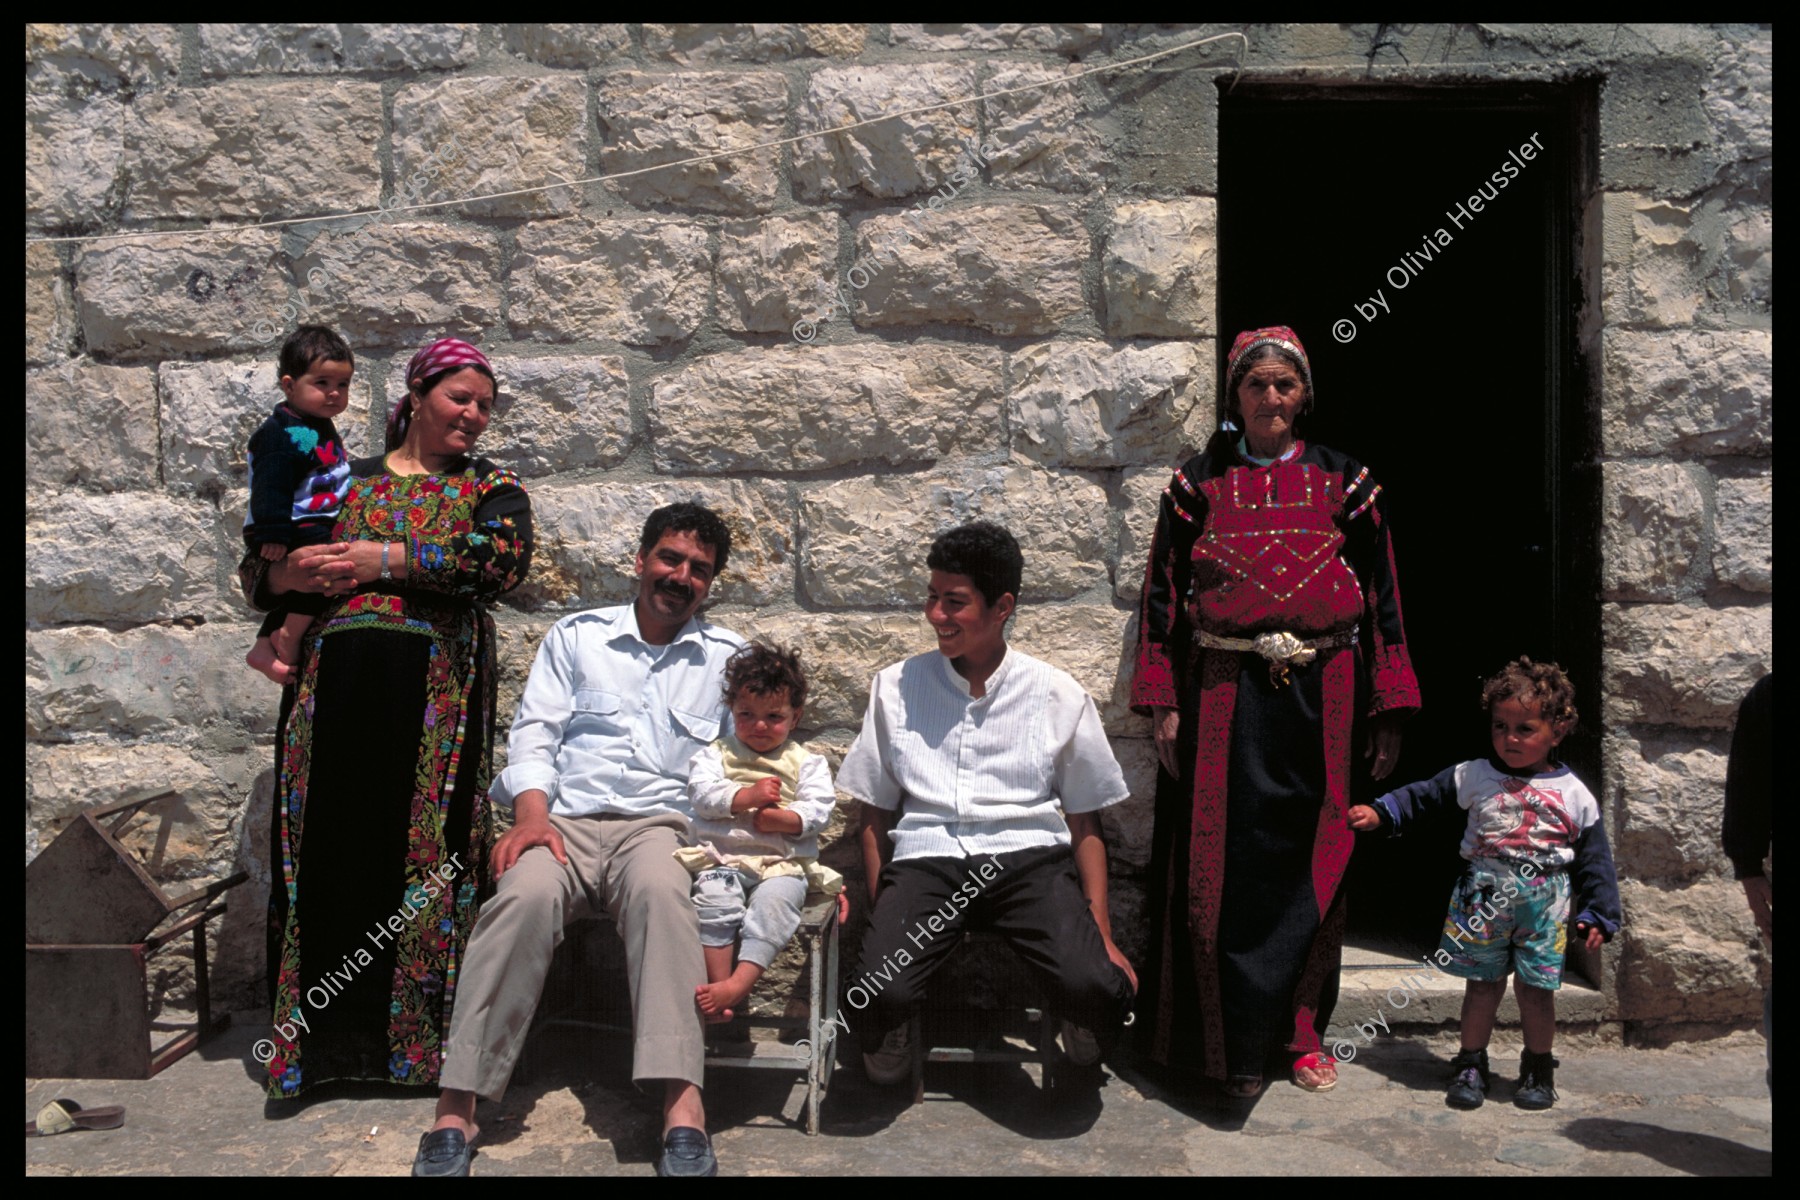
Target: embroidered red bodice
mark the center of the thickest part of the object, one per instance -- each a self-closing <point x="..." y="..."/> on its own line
<point x="1269" y="556"/>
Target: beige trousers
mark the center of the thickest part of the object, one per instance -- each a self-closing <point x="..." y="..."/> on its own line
<point x="624" y="867"/>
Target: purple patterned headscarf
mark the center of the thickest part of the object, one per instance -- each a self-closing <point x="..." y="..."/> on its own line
<point x="445" y="354"/>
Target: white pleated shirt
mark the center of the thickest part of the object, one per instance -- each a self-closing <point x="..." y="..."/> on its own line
<point x="980" y="776"/>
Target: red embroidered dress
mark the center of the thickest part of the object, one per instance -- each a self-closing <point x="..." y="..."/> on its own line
<point x="381" y="828"/>
<point x="1299" y="546"/>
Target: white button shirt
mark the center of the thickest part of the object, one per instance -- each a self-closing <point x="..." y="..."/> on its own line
<point x="980" y="776"/>
<point x="608" y="723"/>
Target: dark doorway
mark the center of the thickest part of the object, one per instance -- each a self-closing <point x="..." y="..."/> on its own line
<point x="1457" y="388"/>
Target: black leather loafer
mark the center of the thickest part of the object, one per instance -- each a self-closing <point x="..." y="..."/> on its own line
<point x="687" y="1153"/>
<point x="442" y="1152"/>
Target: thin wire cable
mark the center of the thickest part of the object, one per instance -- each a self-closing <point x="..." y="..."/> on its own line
<point x="684" y="162"/>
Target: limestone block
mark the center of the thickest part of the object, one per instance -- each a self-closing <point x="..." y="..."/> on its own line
<point x="1061" y="39"/>
<point x="641" y="282"/>
<point x="1006" y="268"/>
<point x="175" y="295"/>
<point x="511" y="133"/>
<point x="132" y="557"/>
<point x="1668" y="664"/>
<point x="865" y="540"/>
<point x="1652" y="519"/>
<point x="690" y="44"/>
<point x="770" y="267"/>
<point x="151" y="681"/>
<point x="110" y="56"/>
<point x="1689" y="392"/>
<point x="1159" y="268"/>
<point x="73" y="149"/>
<point x="1746" y="275"/>
<point x="209" y="411"/>
<point x="1141" y="489"/>
<point x="650" y="119"/>
<point x="1740" y="97"/>
<point x="891" y="158"/>
<point x="1653" y="268"/>
<point x="1651" y="108"/>
<point x="1130" y="824"/>
<point x="587" y="540"/>
<point x="553" y="414"/>
<point x="1690" y="953"/>
<point x="90" y="426"/>
<point x="403" y="284"/>
<point x="517" y="637"/>
<point x="1670" y="794"/>
<point x="229" y="151"/>
<point x="1047" y="138"/>
<point x="799" y="408"/>
<point x="49" y="317"/>
<point x="1096" y="643"/>
<point x="1088" y="404"/>
<point x="409" y="47"/>
<point x="1743" y="537"/>
<point x="260" y="49"/>
<point x="567" y="45"/>
<point x="189" y="837"/>
<point x="1172" y="144"/>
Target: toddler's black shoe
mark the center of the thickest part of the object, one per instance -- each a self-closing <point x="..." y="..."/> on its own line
<point x="1469" y="1086"/>
<point x="1537" y="1080"/>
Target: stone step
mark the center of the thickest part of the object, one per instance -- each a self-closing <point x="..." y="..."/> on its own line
<point x="1378" y="985"/>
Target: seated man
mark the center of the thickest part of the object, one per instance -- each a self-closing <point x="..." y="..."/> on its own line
<point x="964" y="755"/>
<point x="619" y="700"/>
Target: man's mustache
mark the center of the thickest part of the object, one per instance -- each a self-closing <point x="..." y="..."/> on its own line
<point x="678" y="590"/>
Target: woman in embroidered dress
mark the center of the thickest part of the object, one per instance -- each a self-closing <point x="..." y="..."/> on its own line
<point x="383" y="755"/>
<point x="1271" y="614"/>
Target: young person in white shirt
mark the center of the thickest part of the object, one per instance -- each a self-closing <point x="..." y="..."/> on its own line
<point x="982" y="772"/>
<point x="618" y="702"/>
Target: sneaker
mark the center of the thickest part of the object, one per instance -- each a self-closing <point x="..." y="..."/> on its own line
<point x="1537" y="1080"/>
<point x="893" y="1061"/>
<point x="1082" y="1047"/>
<point x="1469" y="1087"/>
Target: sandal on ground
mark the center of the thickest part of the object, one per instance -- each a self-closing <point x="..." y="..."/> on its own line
<point x="1322" y="1063"/>
<point x="64" y="1116"/>
<point x="1244" y="1087"/>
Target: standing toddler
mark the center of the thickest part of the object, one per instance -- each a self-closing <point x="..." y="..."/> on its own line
<point x="1535" y="840"/>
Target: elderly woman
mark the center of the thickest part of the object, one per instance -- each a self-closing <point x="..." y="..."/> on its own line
<point x="1270" y="615"/>
<point x="381" y="825"/>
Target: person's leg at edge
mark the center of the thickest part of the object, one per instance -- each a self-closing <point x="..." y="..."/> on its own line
<point x="1537" y="1012"/>
<point x="682" y="1105"/>
<point x="504" y="967"/>
<point x="1481" y="1004"/>
<point x="647" y="894"/>
<point x="1037" y="904"/>
<point x="719" y="905"/>
<point x="900" y="951"/>
<point x="771" y="917"/>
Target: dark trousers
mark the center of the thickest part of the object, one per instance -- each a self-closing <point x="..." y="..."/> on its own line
<point x="1032" y="898"/>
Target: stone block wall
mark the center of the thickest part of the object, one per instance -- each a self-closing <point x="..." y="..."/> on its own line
<point x="1039" y="348"/>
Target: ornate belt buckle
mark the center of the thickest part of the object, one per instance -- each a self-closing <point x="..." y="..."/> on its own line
<point x="1283" y="650"/>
